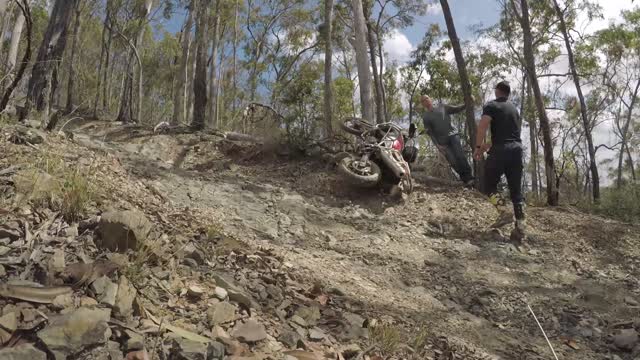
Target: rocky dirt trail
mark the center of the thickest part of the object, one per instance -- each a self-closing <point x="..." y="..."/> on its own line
<point x="420" y="278"/>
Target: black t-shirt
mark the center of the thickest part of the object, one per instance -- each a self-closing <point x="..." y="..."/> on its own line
<point x="505" y="121"/>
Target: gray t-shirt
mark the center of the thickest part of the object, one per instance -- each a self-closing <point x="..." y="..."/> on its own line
<point x="437" y="123"/>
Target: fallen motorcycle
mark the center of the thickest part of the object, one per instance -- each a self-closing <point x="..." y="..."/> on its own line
<point x="383" y="155"/>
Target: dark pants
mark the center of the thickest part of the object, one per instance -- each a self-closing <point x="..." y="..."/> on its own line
<point x="505" y="159"/>
<point x="456" y="157"/>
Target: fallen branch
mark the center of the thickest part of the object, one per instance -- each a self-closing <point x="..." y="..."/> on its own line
<point x="365" y="352"/>
<point x="543" y="333"/>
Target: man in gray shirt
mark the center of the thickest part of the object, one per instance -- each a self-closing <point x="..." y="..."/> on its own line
<point x="437" y="124"/>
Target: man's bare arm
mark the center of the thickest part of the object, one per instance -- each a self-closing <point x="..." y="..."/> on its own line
<point x="453" y="109"/>
<point x="481" y="135"/>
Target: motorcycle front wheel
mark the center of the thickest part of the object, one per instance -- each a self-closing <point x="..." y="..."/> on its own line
<point x="361" y="174"/>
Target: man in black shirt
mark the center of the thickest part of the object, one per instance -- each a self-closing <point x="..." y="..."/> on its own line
<point x="505" y="151"/>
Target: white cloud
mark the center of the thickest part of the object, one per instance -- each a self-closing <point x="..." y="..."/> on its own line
<point x="434" y="9"/>
<point x="398" y="47"/>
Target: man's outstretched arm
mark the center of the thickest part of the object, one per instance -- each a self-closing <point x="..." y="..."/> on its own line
<point x="453" y="109"/>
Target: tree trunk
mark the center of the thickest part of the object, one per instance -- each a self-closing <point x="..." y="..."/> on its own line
<point x="12" y="56"/>
<point x="26" y="13"/>
<point x="625" y="132"/>
<point x="465" y="85"/>
<point x="533" y="139"/>
<point x="328" y="59"/>
<point x="106" y="101"/>
<point x="530" y="63"/>
<point x="71" y="71"/>
<point x="364" y="72"/>
<point x="103" y="47"/>
<point x="126" y="107"/>
<point x="377" y="81"/>
<point x="5" y="23"/>
<point x="593" y="167"/>
<point x="49" y="54"/>
<point x="213" y="75"/>
<point x="200" y="80"/>
<point x="125" y="114"/>
<point x="235" y="59"/>
<point x="179" y="100"/>
<point x="382" y="85"/>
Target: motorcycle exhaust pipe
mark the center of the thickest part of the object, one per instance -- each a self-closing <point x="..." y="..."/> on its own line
<point x="388" y="159"/>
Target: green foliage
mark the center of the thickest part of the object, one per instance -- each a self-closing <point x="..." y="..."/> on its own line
<point x="343" y="89"/>
<point x="619" y="203"/>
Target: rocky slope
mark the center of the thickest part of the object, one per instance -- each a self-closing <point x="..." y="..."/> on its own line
<point x="195" y="247"/>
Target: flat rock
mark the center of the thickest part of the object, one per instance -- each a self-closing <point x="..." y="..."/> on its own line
<point x="184" y="349"/>
<point x="221" y="313"/>
<point x="290" y="339"/>
<point x="123" y="230"/>
<point x="310" y="314"/>
<point x="23" y="135"/>
<point x="3" y="272"/>
<point x="63" y="301"/>
<point x="135" y="341"/>
<point x="69" y="334"/>
<point x="316" y="334"/>
<point x="106" y="290"/>
<point x="124" y="300"/>
<point x="250" y="331"/>
<point x="22" y="352"/>
<point x="626" y="339"/>
<point x="192" y="252"/>
<point x="235" y="293"/>
<point x="35" y="184"/>
<point x="195" y="291"/>
<point x="221" y="293"/>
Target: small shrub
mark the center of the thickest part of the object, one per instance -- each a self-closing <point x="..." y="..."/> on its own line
<point x="387" y="338"/>
<point x="76" y="193"/>
<point x="622" y="204"/>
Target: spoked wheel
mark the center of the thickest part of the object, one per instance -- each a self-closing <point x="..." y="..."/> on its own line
<point x="360" y="173"/>
<point x="356" y="126"/>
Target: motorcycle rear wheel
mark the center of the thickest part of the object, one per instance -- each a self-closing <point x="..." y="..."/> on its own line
<point x="369" y="176"/>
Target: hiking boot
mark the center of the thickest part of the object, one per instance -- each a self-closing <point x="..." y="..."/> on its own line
<point x="518" y="210"/>
<point x="518" y="234"/>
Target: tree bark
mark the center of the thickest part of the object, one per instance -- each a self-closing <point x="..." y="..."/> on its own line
<point x="593" y="167"/>
<point x="625" y="133"/>
<point x="364" y="72"/>
<point x="179" y="100"/>
<point x="530" y="64"/>
<point x="213" y="76"/>
<point x="12" y="55"/>
<point x="328" y="59"/>
<point x="464" y="83"/>
<point x="235" y="58"/>
<point x="106" y="100"/>
<point x="200" y="80"/>
<point x="103" y="47"/>
<point x="533" y="139"/>
<point x="49" y="54"/>
<point x="376" y="78"/>
<point x="71" y="71"/>
<point x="26" y="13"/>
<point x="5" y="23"/>
<point x="382" y="85"/>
